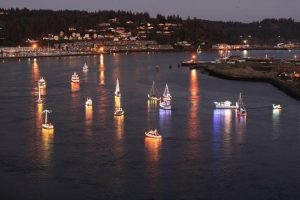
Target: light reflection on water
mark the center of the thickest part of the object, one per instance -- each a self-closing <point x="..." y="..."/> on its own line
<point x="152" y="157"/>
<point x="276" y="122"/>
<point x="101" y="71"/>
<point x="194" y="122"/>
<point x="222" y="130"/>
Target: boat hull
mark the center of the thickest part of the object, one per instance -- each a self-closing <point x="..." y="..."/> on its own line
<point x="152" y="136"/>
<point x="47" y="126"/>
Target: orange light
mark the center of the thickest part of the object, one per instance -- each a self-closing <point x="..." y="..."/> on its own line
<point x="34" y="46"/>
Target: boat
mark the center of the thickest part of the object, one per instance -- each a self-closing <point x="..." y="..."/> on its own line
<point x="241" y="111"/>
<point x="165" y="105"/>
<point x="46" y="124"/>
<point x="199" y="49"/>
<point x="39" y="100"/>
<point x="153" y="93"/>
<point x="167" y="96"/>
<point x="42" y="83"/>
<point x="277" y="106"/>
<point x="153" y="134"/>
<point x="89" y="102"/>
<point x="226" y="105"/>
<point x="75" y="78"/>
<point x="117" y="91"/>
<point x="119" y="112"/>
<point x="85" y="68"/>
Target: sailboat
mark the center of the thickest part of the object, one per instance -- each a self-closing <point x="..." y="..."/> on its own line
<point x="85" y="68"/>
<point x="153" y="93"/>
<point x="167" y="96"/>
<point x="153" y="134"/>
<point x="75" y="78"/>
<point x="119" y="111"/>
<point x="165" y="105"/>
<point x="42" y="83"/>
<point x="89" y="102"/>
<point x="199" y="49"/>
<point x="47" y="125"/>
<point x="241" y="108"/>
<point x="39" y="100"/>
<point x="117" y="91"/>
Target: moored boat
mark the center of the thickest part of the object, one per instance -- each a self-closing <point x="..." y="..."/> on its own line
<point x="241" y="110"/>
<point x="42" y="83"/>
<point x="89" y="102"/>
<point x="85" y="68"/>
<point x="46" y="124"/>
<point x="117" y="91"/>
<point x="277" y="106"/>
<point x="39" y="100"/>
<point x="153" y="94"/>
<point x="166" y="105"/>
<point x="226" y="105"/>
<point x="153" y="134"/>
<point x="167" y="96"/>
<point x="75" y="78"/>
<point x="119" y="112"/>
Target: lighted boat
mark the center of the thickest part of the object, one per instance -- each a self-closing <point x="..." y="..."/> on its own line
<point x="75" y="78"/>
<point x="42" y="83"/>
<point x="39" y="100"/>
<point x="153" y="134"/>
<point x="89" y="102"/>
<point x="277" y="106"/>
<point x="226" y="105"/>
<point x="241" y="110"/>
<point x="153" y="94"/>
<point x="46" y="124"/>
<point x="165" y="105"/>
<point x="85" y="68"/>
<point x="167" y="96"/>
<point x="119" y="112"/>
<point x="117" y="91"/>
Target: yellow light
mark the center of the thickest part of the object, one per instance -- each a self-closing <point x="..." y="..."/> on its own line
<point x="34" y="46"/>
<point x="101" y="49"/>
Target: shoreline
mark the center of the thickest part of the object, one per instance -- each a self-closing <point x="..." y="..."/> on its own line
<point x="279" y="84"/>
<point x="89" y="54"/>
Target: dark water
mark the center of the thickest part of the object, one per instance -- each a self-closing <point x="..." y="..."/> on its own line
<point x="205" y="153"/>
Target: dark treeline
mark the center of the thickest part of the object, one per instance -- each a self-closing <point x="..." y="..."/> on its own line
<point x="16" y="25"/>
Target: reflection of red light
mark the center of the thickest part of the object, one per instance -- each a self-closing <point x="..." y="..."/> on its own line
<point x="75" y="87"/>
<point x="152" y="147"/>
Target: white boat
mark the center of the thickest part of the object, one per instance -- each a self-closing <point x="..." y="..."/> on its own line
<point x="42" y="83"/>
<point x="277" y="106"/>
<point x="153" y="134"/>
<point x="39" y="100"/>
<point x="89" y="102"/>
<point x="85" y="68"/>
<point x="153" y="94"/>
<point x="119" y="112"/>
<point x="226" y="105"/>
<point x="241" y="111"/>
<point x="166" y="105"/>
<point x="117" y="91"/>
<point x="167" y="96"/>
<point x="46" y="124"/>
<point x="75" y="78"/>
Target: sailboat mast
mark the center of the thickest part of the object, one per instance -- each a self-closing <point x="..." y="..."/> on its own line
<point x="46" y="117"/>
<point x="39" y="92"/>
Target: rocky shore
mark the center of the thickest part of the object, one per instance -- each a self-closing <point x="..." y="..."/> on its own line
<point x="246" y="72"/>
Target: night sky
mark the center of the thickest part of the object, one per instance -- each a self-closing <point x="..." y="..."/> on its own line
<point x="224" y="10"/>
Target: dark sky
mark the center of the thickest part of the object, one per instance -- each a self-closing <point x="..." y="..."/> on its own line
<point x="225" y="10"/>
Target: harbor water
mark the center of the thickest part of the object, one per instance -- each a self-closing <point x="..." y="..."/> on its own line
<point x="205" y="153"/>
